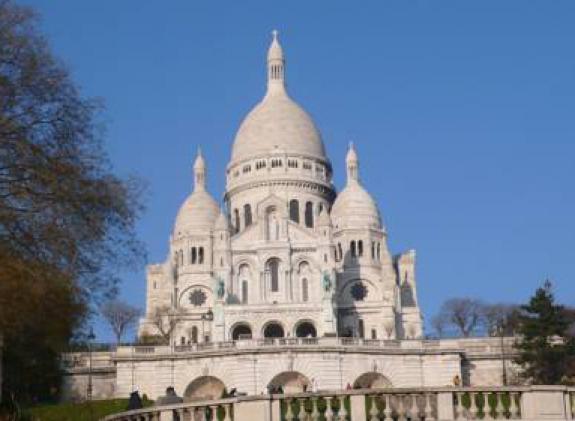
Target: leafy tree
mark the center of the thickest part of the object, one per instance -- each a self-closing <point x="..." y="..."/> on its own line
<point x="120" y="316"/>
<point x="66" y="221"/>
<point x="546" y="351"/>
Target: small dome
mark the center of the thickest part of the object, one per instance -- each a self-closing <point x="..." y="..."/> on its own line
<point x="222" y="223"/>
<point x="198" y="212"/>
<point x="355" y="208"/>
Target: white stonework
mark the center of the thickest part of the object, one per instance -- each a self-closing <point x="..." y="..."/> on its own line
<point x="291" y="284"/>
<point x="287" y="256"/>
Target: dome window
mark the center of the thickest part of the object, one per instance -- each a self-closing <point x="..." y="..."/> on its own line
<point x="309" y="215"/>
<point x="194" y="256"/>
<point x="201" y="255"/>
<point x="307" y="165"/>
<point x="247" y="215"/>
<point x="236" y="221"/>
<point x="352" y="249"/>
<point x="294" y="211"/>
<point x="360" y="248"/>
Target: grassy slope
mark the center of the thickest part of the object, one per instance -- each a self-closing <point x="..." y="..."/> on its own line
<point x="78" y="411"/>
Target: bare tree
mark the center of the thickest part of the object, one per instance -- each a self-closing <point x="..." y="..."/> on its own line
<point x="500" y="319"/>
<point x="439" y="324"/>
<point x="165" y="319"/>
<point x="120" y="316"/>
<point x="465" y="314"/>
<point x="67" y="222"/>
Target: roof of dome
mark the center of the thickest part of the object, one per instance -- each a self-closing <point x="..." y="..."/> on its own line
<point x="199" y="211"/>
<point x="355" y="208"/>
<point x="277" y="123"/>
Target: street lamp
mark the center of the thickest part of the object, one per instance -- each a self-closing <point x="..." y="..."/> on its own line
<point x="91" y="337"/>
<point x="503" y="365"/>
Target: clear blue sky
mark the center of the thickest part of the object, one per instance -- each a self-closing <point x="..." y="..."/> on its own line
<point x="463" y="113"/>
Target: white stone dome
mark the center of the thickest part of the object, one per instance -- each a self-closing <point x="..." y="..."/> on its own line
<point x="198" y="212"/>
<point x="355" y="208"/>
<point x="277" y="123"/>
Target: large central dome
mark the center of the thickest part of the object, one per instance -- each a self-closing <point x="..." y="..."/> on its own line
<point x="277" y="123"/>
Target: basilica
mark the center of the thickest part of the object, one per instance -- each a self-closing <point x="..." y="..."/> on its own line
<point x="286" y="254"/>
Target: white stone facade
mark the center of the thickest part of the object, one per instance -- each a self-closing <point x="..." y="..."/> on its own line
<point x="286" y="256"/>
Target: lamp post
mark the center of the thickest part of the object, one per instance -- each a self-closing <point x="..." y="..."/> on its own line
<point x="503" y="365"/>
<point x="91" y="337"/>
<point x="207" y="316"/>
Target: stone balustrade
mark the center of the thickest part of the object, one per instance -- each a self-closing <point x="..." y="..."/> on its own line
<point x="475" y="345"/>
<point x="532" y="403"/>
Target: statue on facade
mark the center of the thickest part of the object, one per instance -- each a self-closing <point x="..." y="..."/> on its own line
<point x="326" y="282"/>
<point x="220" y="288"/>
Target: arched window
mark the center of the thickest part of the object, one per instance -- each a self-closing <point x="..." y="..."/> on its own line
<point x="304" y="290"/>
<point x="309" y="215"/>
<point x="273" y="269"/>
<point x="352" y="249"/>
<point x="244" y="292"/>
<point x="360" y="248"/>
<point x="247" y="215"/>
<point x="340" y="251"/>
<point x="194" y="255"/>
<point x="294" y="210"/>
<point x="373" y="250"/>
<point x="378" y="251"/>
<point x="360" y="328"/>
<point x="194" y="335"/>
<point x="236" y="220"/>
<point x="201" y="255"/>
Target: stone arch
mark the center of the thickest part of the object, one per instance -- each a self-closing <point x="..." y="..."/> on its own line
<point x="305" y="329"/>
<point x="372" y="380"/>
<point x="289" y="382"/>
<point x="204" y="388"/>
<point x="273" y="329"/>
<point x="240" y="331"/>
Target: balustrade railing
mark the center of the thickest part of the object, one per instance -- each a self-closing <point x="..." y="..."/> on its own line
<point x="489" y="347"/>
<point x="531" y="403"/>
